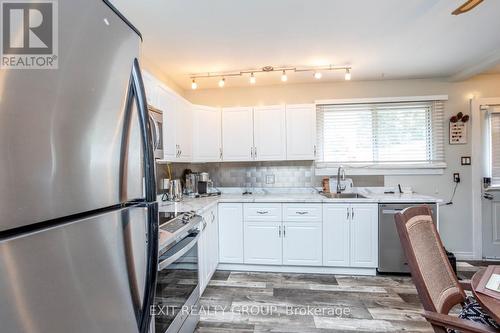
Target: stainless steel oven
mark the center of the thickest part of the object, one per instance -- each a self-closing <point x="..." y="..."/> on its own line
<point x="156" y="121"/>
<point x="177" y="288"/>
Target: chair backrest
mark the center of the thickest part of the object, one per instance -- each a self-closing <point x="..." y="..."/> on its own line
<point x="436" y="283"/>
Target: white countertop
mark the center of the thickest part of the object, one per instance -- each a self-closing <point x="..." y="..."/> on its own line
<point x="299" y="195"/>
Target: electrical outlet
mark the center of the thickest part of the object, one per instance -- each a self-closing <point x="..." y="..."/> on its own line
<point x="465" y="160"/>
<point x="270" y="179"/>
<point x="456" y="177"/>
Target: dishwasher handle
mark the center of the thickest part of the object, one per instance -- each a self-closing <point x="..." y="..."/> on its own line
<point x="391" y="211"/>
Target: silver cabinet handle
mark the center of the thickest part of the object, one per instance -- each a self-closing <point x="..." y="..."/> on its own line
<point x="352" y="213"/>
<point x="279" y="231"/>
<point x="255" y="152"/>
<point x="302" y="213"/>
<point x="220" y="150"/>
<point x="348" y="213"/>
<point x="262" y="212"/>
<point x="315" y="151"/>
<point x="284" y="231"/>
<point x="251" y="152"/>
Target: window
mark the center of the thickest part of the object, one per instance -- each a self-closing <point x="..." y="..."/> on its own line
<point x="494" y="118"/>
<point x="377" y="134"/>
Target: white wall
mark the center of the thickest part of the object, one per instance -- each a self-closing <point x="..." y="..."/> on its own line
<point x="456" y="220"/>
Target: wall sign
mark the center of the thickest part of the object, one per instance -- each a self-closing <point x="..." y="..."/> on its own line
<point x="458" y="129"/>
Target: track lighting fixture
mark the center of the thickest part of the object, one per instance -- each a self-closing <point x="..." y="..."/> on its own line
<point x="284" y="78"/>
<point x="347" y="74"/>
<point x="253" y="80"/>
<point x="317" y="72"/>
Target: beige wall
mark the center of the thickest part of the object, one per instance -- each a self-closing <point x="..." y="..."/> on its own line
<point x="154" y="70"/>
<point x="456" y="220"/>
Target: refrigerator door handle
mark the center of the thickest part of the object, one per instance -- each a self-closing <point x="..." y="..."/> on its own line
<point x="137" y="87"/>
<point x="146" y="131"/>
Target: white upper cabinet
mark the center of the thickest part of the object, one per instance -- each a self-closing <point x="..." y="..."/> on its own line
<point x="206" y="134"/>
<point x="237" y="134"/>
<point x="184" y="132"/>
<point x="167" y="102"/>
<point x="269" y="128"/>
<point x="301" y="132"/>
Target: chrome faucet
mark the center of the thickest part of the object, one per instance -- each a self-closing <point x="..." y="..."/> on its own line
<point x="339" y="187"/>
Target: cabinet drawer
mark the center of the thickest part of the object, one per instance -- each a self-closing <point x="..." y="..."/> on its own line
<point x="302" y="212"/>
<point x="262" y="212"/>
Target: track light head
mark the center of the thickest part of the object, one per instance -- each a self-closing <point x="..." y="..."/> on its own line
<point x="194" y="85"/>
<point x="347" y="74"/>
<point x="284" y="78"/>
<point x="222" y="82"/>
<point x="318" y="75"/>
<point x="253" y="79"/>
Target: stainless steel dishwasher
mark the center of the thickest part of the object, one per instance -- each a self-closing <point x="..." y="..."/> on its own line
<point x="391" y="258"/>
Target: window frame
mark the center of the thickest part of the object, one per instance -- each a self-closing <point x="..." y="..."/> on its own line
<point x="328" y="168"/>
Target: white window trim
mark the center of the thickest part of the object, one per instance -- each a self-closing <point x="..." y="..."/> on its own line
<point x="327" y="169"/>
<point x="382" y="99"/>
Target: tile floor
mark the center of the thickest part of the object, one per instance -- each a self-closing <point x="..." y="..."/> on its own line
<point x="272" y="302"/>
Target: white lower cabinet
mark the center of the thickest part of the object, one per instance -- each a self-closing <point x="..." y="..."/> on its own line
<point x="364" y="235"/>
<point x="208" y="247"/>
<point x="328" y="235"/>
<point x="262" y="243"/>
<point x="302" y="243"/>
<point x="336" y="234"/>
<point x="350" y="235"/>
<point x="231" y="233"/>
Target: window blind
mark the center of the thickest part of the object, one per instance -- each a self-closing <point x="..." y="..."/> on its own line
<point x="381" y="133"/>
<point x="495" y="148"/>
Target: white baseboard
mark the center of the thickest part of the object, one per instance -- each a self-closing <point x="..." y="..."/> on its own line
<point x="298" y="269"/>
<point x="464" y="255"/>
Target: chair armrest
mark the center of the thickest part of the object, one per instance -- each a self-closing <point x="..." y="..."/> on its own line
<point x="462" y="325"/>
<point x="465" y="284"/>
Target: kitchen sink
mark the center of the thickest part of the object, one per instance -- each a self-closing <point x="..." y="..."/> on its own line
<point x="343" y="195"/>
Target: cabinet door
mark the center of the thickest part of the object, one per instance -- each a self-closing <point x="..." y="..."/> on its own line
<point x="302" y="243"/>
<point x="169" y="104"/>
<point x="301" y="132"/>
<point x="206" y="134"/>
<point x="237" y="134"/>
<point x="203" y="264"/>
<point x="231" y="233"/>
<point x="184" y="133"/>
<point x="214" y="251"/>
<point x="262" y="243"/>
<point x="336" y="234"/>
<point x="364" y="235"/>
<point x="269" y="133"/>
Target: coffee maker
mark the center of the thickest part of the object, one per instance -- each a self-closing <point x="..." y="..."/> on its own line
<point x="191" y="188"/>
<point x="203" y="183"/>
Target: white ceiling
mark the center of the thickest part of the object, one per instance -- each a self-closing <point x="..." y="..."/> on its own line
<point x="380" y="39"/>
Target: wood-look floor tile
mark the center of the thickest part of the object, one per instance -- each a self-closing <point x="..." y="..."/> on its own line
<point x="377" y="304"/>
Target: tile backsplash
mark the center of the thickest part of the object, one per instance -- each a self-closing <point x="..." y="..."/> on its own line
<point x="261" y="174"/>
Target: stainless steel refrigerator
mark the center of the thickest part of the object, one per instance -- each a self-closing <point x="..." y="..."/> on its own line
<point x="78" y="218"/>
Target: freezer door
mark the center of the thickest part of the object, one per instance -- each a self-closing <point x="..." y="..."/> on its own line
<point x="61" y="131"/>
<point x="85" y="276"/>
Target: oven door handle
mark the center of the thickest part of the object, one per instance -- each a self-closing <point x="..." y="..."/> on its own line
<point x="174" y="257"/>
